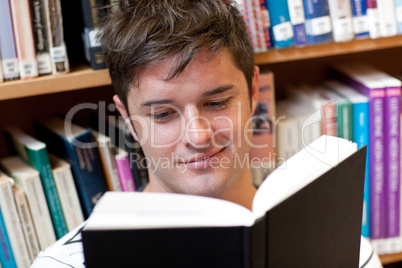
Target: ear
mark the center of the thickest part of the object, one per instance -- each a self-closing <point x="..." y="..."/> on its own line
<point x="122" y="110"/>
<point x="255" y="86"/>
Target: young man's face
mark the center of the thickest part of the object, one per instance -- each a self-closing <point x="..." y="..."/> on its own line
<point x="196" y="128"/>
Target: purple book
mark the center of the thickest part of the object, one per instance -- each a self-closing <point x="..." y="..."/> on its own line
<point x="8" y="53"/>
<point x="364" y="80"/>
<point x="124" y="170"/>
<point x="392" y="161"/>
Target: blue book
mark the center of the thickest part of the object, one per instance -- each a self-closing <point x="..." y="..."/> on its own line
<point x="360" y="135"/>
<point x="79" y="149"/>
<point x="318" y="21"/>
<point x="6" y="257"/>
<point x="360" y="19"/>
<point x="281" y="27"/>
<point x="398" y="10"/>
<point x="297" y="18"/>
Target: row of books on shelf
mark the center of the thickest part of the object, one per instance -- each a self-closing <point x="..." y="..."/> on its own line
<point x="32" y="39"/>
<point x="362" y="104"/>
<point x="48" y="189"/>
<point x="286" y="23"/>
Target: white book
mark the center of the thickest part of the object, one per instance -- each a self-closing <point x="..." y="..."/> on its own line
<point x="308" y="113"/>
<point x="387" y="17"/>
<point x="28" y="179"/>
<point x="67" y="191"/>
<point x="27" y="222"/>
<point x="287" y="132"/>
<point x="107" y="155"/>
<point x="373" y="20"/>
<point x="12" y="222"/>
<point x="342" y="20"/>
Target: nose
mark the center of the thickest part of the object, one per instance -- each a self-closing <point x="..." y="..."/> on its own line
<point x="198" y="131"/>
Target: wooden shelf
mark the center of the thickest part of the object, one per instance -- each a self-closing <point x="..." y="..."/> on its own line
<point x="329" y="49"/>
<point x="80" y="77"/>
<point x="391" y="258"/>
<point x="83" y="77"/>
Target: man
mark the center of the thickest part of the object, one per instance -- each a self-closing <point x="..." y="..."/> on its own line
<point x="187" y="86"/>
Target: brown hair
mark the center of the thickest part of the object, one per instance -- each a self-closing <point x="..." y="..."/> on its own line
<point x="145" y="32"/>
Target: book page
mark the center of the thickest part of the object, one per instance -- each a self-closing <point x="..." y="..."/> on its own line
<point x="300" y="170"/>
<point x="133" y="210"/>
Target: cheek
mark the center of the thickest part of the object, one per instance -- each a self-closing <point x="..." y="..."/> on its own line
<point x="161" y="136"/>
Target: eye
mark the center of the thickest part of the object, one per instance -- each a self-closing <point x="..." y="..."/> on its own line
<point x="161" y="116"/>
<point x="218" y="104"/>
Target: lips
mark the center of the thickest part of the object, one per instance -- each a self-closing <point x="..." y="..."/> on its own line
<point x="201" y="161"/>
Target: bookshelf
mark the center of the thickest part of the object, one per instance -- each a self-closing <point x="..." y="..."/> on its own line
<point x="85" y="84"/>
<point x="80" y="77"/>
<point x="391" y="258"/>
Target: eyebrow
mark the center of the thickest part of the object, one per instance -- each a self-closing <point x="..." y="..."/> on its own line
<point x="217" y="90"/>
<point x="209" y="93"/>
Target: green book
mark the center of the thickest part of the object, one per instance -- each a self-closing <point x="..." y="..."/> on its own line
<point x="344" y="112"/>
<point x="34" y="152"/>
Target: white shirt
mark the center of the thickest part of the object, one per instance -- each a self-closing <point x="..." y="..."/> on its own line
<point x="66" y="252"/>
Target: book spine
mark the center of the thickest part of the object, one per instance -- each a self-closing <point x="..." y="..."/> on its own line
<point x="373" y="18"/>
<point x="54" y="25"/>
<point x="318" y="21"/>
<point x="8" y="52"/>
<point x="361" y="137"/>
<point x="345" y="111"/>
<point x="40" y="161"/>
<point x="398" y="15"/>
<point x="281" y="27"/>
<point x="340" y="120"/>
<point x="392" y="167"/>
<point x="24" y="38"/>
<point x="329" y="119"/>
<point x="109" y="166"/>
<point x="287" y="133"/>
<point x="360" y="19"/>
<point x="376" y="159"/>
<point x="13" y="225"/>
<point x="266" y="24"/>
<point x="249" y="19"/>
<point x="137" y="161"/>
<point x="297" y="18"/>
<point x="7" y="259"/>
<point x="40" y="37"/>
<point x="377" y="165"/>
<point x="259" y="25"/>
<point x="387" y="16"/>
<point x="68" y="197"/>
<point x="126" y="177"/>
<point x="27" y="223"/>
<point x="263" y="149"/>
<point x="91" y="16"/>
<point x="39" y="209"/>
<point x="341" y="18"/>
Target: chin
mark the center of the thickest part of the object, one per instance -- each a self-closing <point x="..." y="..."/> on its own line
<point x="210" y="187"/>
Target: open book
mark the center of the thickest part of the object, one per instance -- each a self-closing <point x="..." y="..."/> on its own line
<point x="306" y="213"/>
